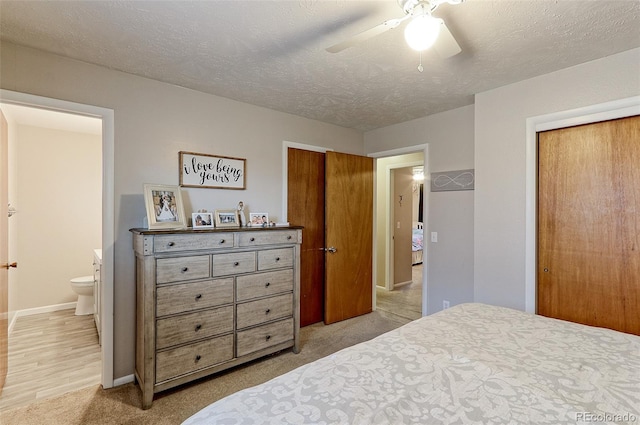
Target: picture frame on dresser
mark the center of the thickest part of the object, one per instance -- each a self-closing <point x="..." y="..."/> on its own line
<point x="226" y="218"/>
<point x="164" y="206"/>
<point x="202" y="220"/>
<point x="258" y="219"/>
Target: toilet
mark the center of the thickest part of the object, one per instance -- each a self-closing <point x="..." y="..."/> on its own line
<point x="83" y="286"/>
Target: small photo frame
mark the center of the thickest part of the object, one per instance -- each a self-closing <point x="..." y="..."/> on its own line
<point x="164" y="206"/>
<point x="226" y="218"/>
<point x="202" y="220"/>
<point x="258" y="219"/>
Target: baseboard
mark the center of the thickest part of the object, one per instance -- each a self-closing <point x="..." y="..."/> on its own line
<point x="402" y="283"/>
<point x="39" y="310"/>
<point x="123" y="380"/>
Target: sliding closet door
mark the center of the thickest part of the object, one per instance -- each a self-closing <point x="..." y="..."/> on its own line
<point x="348" y="236"/>
<point x="589" y="224"/>
<point x="4" y="249"/>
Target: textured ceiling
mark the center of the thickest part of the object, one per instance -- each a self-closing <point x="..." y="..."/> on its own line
<point x="272" y="53"/>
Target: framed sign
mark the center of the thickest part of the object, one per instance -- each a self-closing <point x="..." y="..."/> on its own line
<point x="164" y="207"/>
<point x="211" y="171"/>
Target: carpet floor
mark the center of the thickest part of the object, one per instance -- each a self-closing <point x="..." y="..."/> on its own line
<point x="122" y="405"/>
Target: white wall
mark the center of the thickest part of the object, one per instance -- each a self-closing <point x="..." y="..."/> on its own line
<point x="153" y="122"/>
<point x="500" y="162"/>
<point x="450" y="138"/>
<point x="59" y="196"/>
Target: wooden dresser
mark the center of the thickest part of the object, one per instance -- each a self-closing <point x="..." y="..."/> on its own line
<point x="208" y="300"/>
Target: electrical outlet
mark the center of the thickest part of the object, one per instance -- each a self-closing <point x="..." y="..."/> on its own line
<point x="445" y="304"/>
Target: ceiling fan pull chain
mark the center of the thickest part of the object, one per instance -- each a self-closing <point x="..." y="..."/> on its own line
<point x="420" y="67"/>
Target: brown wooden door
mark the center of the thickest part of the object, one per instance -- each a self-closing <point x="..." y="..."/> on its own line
<point x="348" y="229"/>
<point x="589" y="224"/>
<point x="4" y="249"/>
<point x="305" y="207"/>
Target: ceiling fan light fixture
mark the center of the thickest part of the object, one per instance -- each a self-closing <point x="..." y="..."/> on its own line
<point x="422" y="31"/>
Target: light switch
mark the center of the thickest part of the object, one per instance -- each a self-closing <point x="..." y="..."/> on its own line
<point x="434" y="236"/>
<point x="398" y="225"/>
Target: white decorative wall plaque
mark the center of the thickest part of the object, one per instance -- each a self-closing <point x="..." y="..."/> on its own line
<point x="452" y="180"/>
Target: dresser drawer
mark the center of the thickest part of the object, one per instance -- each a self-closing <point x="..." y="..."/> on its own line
<point x="263" y="284"/>
<point x="275" y="258"/>
<point x="190" y="327"/>
<point x="172" y="299"/>
<point x="264" y="310"/>
<point x="176" y="243"/>
<point x="192" y="357"/>
<point x="236" y="263"/>
<point x="264" y="336"/>
<point x="267" y="237"/>
<point x="182" y="268"/>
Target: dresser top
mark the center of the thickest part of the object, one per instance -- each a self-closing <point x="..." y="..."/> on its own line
<point x="143" y="231"/>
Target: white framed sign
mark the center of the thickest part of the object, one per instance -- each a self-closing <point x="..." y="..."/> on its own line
<point x="211" y="171"/>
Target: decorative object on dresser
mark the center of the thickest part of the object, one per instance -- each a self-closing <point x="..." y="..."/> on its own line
<point x="164" y="206"/>
<point x="211" y="171"/>
<point x="211" y="299"/>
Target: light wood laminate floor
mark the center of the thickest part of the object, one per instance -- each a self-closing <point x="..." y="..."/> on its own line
<point x="50" y="354"/>
<point x="405" y="300"/>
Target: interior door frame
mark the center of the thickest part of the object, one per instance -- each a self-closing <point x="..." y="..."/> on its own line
<point x="108" y="207"/>
<point x="424" y="148"/>
<point x="587" y="115"/>
<point x="388" y="240"/>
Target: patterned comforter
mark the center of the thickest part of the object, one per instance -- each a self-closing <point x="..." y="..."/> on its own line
<point x="470" y="364"/>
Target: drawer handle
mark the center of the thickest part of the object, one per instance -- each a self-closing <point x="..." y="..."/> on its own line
<point x="198" y="297"/>
<point x="289" y="237"/>
<point x="268" y="337"/>
<point x="236" y="264"/>
<point x="184" y="269"/>
<point x="267" y="311"/>
<point x="171" y="244"/>
<point x="277" y="258"/>
<point x="252" y="239"/>
<point x="221" y="240"/>
<point x="198" y="357"/>
<point x="198" y="327"/>
<point x="266" y="285"/>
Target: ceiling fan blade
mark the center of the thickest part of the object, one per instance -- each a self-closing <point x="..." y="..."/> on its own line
<point x="445" y="45"/>
<point x="365" y="35"/>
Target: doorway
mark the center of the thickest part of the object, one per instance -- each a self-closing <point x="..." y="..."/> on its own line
<point x="55" y="235"/>
<point x="107" y="210"/>
<point x="400" y="273"/>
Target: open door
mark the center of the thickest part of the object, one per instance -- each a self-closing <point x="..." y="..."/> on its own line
<point x="4" y="249"/>
<point x="348" y="236"/>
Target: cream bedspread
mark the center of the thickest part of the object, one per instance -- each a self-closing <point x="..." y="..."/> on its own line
<point x="471" y="364"/>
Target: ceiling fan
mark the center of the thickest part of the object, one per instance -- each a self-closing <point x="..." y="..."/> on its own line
<point x="422" y="32"/>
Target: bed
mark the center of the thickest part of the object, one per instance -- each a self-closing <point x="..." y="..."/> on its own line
<point x="417" y="234"/>
<point x="470" y="364"/>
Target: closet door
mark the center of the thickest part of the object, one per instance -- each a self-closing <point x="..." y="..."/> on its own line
<point x="305" y="207"/>
<point x="348" y="236"/>
<point x="589" y="224"/>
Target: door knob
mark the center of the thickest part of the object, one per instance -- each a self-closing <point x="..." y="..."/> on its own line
<point x="6" y="266"/>
<point x="331" y="249"/>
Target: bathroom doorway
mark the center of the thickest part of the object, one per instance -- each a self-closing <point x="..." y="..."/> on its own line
<point x="62" y="155"/>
